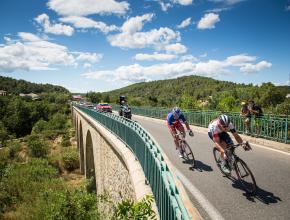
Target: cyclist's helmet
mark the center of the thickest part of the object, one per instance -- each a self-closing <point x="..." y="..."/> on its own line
<point x="176" y="112"/>
<point x="224" y="120"/>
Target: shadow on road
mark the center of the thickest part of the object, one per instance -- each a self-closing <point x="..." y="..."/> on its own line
<point x="200" y="166"/>
<point x="261" y="195"/>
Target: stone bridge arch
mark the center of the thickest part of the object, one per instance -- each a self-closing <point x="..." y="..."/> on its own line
<point x="90" y="167"/>
<point x="81" y="146"/>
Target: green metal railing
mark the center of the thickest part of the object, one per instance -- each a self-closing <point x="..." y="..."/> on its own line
<point x="271" y="127"/>
<point x="148" y="153"/>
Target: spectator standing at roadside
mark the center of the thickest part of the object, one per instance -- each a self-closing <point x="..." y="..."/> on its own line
<point x="257" y="112"/>
<point x="246" y="116"/>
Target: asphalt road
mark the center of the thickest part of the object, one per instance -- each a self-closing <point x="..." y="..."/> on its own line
<point x="220" y="195"/>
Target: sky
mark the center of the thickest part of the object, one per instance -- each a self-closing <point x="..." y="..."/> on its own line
<point x="101" y="45"/>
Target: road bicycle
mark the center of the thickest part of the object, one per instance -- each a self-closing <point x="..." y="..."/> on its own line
<point x="186" y="150"/>
<point x="243" y="172"/>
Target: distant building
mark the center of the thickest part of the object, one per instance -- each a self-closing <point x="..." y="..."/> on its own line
<point x="3" y="93"/>
<point x="77" y="97"/>
<point x="31" y="96"/>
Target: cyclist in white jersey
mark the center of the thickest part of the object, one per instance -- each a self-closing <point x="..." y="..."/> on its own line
<point x="217" y="132"/>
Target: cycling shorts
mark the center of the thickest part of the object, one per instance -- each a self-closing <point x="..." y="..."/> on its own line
<point x="224" y="136"/>
<point x="176" y="125"/>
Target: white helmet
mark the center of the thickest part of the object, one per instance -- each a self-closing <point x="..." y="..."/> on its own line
<point x="224" y="120"/>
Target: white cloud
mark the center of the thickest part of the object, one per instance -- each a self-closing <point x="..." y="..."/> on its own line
<point x="165" y="6"/>
<point x="189" y="58"/>
<point x="137" y="73"/>
<point x="240" y="59"/>
<point x="28" y="36"/>
<point x="227" y="2"/>
<point x="217" y="10"/>
<point x="58" y="29"/>
<point x="208" y="21"/>
<point x="33" y="53"/>
<point x="156" y="38"/>
<point x="7" y="39"/>
<point x="88" y="7"/>
<point x="155" y="56"/>
<point x="89" y="57"/>
<point x="87" y="65"/>
<point x="287" y="8"/>
<point x="183" y="2"/>
<point x="132" y="36"/>
<point x="184" y="23"/>
<point x="83" y="22"/>
<point x="249" y="68"/>
<point x="135" y="24"/>
<point x="176" y="48"/>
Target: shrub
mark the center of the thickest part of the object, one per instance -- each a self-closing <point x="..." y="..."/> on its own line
<point x="63" y="204"/>
<point x="40" y="126"/>
<point x="128" y="209"/>
<point x="24" y="182"/>
<point x="55" y="161"/>
<point x="65" y="142"/>
<point x="58" y="122"/>
<point x="70" y="159"/>
<point x="14" y="148"/>
<point x="37" y="146"/>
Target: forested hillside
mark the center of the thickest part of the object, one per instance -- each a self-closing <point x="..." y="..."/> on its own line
<point x="19" y="115"/>
<point x="39" y="161"/>
<point x="202" y="93"/>
<point x="13" y="86"/>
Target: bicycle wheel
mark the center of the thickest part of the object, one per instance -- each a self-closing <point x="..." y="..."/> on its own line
<point x="218" y="160"/>
<point x="188" y="155"/>
<point x="245" y="176"/>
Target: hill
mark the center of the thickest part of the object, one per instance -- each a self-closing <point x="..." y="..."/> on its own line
<point x="14" y="86"/>
<point x="202" y="93"/>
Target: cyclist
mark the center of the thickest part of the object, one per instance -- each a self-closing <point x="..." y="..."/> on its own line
<point x="174" y="119"/>
<point x="217" y="132"/>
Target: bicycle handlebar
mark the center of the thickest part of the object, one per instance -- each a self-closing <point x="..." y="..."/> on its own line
<point x="240" y="144"/>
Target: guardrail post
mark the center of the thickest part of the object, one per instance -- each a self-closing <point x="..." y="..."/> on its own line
<point x="286" y="130"/>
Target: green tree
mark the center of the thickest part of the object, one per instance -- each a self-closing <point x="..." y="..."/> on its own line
<point x="284" y="108"/>
<point x="3" y="134"/>
<point x="37" y="146"/>
<point x="17" y="118"/>
<point x="228" y="103"/>
<point x="94" y="97"/>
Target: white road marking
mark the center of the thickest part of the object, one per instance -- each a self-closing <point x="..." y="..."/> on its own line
<point x="272" y="149"/>
<point x="204" y="203"/>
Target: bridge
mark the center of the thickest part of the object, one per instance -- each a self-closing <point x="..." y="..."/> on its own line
<point x="193" y="194"/>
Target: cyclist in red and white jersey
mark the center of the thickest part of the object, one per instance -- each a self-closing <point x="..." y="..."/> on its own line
<point x="217" y="132"/>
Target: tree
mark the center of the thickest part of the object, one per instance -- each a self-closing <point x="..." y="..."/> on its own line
<point x="228" y="103"/>
<point x="3" y="134"/>
<point x="284" y="107"/>
<point x="94" y="97"/>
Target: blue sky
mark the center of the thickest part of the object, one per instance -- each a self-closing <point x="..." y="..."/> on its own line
<point x="100" y="45"/>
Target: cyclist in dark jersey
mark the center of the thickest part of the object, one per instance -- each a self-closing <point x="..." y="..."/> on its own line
<point x="174" y="119"/>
